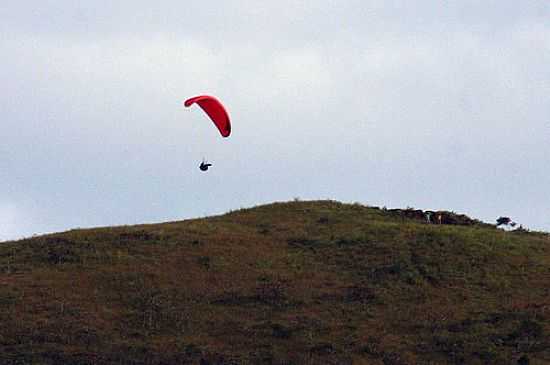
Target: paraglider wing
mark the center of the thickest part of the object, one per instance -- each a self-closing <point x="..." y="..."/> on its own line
<point x="215" y="111"/>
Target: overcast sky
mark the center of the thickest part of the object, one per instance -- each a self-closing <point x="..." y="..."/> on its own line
<point x="426" y="104"/>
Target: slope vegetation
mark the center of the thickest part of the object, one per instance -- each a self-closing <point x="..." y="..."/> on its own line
<point x="317" y="282"/>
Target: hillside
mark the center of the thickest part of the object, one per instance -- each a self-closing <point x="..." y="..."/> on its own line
<point x="316" y="282"/>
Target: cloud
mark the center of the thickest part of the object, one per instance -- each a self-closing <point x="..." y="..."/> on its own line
<point x="431" y="104"/>
<point x="8" y="221"/>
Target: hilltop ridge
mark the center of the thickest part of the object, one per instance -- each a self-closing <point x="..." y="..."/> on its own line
<point x="316" y="282"/>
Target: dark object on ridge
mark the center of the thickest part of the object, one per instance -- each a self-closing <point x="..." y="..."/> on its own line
<point x="504" y="221"/>
<point x="437" y="217"/>
<point x="204" y="166"/>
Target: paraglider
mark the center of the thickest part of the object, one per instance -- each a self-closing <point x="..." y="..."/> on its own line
<point x="217" y="113"/>
<point x="204" y="165"/>
<point x="215" y="110"/>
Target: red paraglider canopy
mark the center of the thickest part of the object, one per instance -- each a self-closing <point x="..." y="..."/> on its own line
<point x="215" y="111"/>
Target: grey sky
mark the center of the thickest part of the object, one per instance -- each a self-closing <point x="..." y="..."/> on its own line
<point x="431" y="104"/>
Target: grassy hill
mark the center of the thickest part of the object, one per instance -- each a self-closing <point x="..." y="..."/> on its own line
<point x="317" y="282"/>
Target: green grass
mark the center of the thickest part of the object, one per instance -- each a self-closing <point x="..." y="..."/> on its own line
<point x="313" y="282"/>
